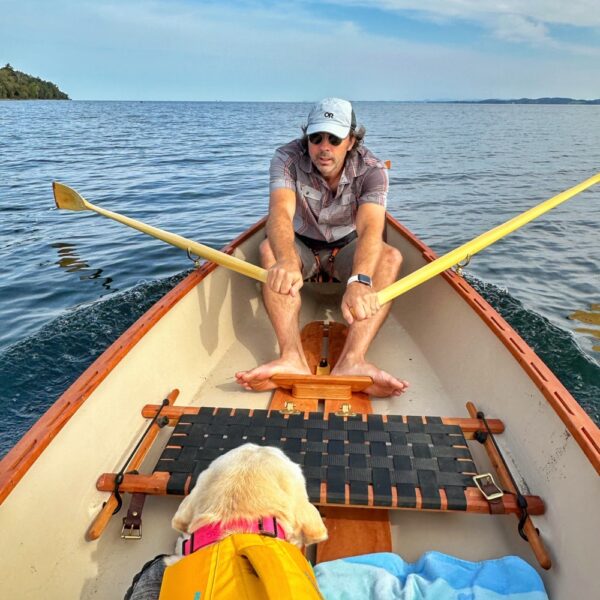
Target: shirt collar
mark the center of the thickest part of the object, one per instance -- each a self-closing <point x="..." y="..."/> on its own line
<point x="305" y="163"/>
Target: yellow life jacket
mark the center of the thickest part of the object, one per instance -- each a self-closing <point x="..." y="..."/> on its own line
<point x="243" y="566"/>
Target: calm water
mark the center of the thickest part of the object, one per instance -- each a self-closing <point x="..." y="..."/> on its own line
<point x="70" y="284"/>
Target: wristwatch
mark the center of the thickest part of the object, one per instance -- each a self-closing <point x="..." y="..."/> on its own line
<point x="364" y="279"/>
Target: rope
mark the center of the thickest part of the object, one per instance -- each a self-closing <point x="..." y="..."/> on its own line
<point x="119" y="477"/>
<point x="521" y="500"/>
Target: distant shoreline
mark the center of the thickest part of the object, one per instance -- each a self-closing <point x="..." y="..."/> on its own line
<point x="524" y="101"/>
<point x="536" y="101"/>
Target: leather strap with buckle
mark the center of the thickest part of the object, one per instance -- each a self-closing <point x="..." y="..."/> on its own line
<point x="491" y="492"/>
<point x="132" y="522"/>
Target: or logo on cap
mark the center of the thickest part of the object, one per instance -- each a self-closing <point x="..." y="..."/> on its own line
<point x="328" y="115"/>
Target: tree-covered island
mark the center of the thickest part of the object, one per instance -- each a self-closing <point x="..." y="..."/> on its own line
<point x="15" y="85"/>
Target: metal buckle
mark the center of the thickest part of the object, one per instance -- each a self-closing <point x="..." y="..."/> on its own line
<point x="131" y="532"/>
<point x="345" y="410"/>
<point x="262" y="531"/>
<point x="487" y="486"/>
<point x="289" y="408"/>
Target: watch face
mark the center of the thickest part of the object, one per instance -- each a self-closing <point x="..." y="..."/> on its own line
<point x="364" y="279"/>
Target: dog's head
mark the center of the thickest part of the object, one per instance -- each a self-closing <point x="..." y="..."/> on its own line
<point x="250" y="482"/>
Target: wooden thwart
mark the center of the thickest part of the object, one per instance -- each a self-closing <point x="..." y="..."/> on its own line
<point x="156" y="485"/>
<point x="358" y="403"/>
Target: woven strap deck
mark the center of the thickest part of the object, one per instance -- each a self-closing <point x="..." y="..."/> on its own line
<point x="371" y="460"/>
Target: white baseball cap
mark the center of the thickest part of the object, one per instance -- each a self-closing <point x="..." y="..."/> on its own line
<point x="331" y="115"/>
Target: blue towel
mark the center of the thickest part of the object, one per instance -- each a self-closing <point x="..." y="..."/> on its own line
<point x="435" y="576"/>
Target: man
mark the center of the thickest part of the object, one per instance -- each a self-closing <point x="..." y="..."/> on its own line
<point x="326" y="219"/>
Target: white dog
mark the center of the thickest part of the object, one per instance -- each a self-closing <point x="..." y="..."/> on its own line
<point x="242" y="486"/>
<point x="248" y="483"/>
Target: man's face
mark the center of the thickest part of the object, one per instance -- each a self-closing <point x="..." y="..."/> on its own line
<point x="327" y="157"/>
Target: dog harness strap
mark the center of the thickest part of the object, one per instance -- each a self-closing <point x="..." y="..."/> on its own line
<point x="209" y="534"/>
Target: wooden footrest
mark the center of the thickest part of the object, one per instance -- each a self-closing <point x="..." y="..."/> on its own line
<point x="330" y="387"/>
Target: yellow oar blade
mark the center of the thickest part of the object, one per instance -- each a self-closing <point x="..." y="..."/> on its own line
<point x="479" y="243"/>
<point x="68" y="198"/>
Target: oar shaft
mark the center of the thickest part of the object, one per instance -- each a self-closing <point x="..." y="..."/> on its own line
<point x="68" y="198"/>
<point x="479" y="243"/>
<point x="225" y="260"/>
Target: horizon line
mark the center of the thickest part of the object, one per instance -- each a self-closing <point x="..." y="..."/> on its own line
<point x="228" y="101"/>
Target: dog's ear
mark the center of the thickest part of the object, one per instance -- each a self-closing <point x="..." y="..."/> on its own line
<point x="185" y="514"/>
<point x="310" y="523"/>
<point x="188" y="518"/>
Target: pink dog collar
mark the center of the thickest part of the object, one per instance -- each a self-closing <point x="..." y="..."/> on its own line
<point x="209" y="534"/>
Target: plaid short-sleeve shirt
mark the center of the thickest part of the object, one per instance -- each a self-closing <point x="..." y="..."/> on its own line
<point x="321" y="214"/>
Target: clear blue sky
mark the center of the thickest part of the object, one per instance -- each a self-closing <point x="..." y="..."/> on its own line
<point x="305" y="49"/>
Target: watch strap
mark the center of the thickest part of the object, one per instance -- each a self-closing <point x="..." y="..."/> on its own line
<point x="360" y="278"/>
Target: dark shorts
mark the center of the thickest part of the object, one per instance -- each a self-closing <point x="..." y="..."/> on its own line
<point x="146" y="584"/>
<point x="338" y="267"/>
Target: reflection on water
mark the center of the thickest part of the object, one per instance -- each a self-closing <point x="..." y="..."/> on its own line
<point x="71" y="263"/>
<point x="589" y="317"/>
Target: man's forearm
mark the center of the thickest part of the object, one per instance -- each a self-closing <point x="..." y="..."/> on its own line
<point x="368" y="251"/>
<point x="280" y="232"/>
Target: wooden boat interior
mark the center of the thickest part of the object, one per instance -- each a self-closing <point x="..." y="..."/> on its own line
<point x="442" y="337"/>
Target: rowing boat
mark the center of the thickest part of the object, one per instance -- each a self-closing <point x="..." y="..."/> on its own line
<point x="441" y="336"/>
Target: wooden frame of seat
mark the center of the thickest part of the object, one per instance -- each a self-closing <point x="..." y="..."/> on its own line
<point x="343" y="396"/>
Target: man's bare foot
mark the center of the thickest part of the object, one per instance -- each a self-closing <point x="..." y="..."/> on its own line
<point x="384" y="384"/>
<point x="259" y="378"/>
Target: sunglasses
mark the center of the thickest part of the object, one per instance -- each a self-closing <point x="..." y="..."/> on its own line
<point x="317" y="138"/>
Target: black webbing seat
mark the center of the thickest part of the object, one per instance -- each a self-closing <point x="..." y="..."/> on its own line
<point x="339" y="451"/>
<point x="370" y="460"/>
